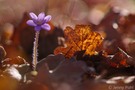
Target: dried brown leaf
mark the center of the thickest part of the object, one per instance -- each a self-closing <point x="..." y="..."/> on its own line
<point x="78" y="39"/>
<point x="14" y="61"/>
<point x="121" y="59"/>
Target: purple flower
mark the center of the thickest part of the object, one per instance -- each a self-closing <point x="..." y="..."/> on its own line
<point x="40" y="21"/>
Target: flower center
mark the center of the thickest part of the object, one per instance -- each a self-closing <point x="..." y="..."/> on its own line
<point x="40" y="22"/>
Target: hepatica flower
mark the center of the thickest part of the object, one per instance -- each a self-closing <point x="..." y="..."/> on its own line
<point x="40" y="21"/>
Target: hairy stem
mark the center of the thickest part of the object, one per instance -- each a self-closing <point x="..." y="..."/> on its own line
<point x="35" y="51"/>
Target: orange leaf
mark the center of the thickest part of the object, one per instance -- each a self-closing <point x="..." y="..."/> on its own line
<point x="78" y="39"/>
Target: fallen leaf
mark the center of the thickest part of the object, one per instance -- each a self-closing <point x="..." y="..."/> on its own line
<point x="78" y="39"/>
<point x="120" y="59"/>
<point x="17" y="61"/>
<point x="49" y="60"/>
<point x="13" y="73"/>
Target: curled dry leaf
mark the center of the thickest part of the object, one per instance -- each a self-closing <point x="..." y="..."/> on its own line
<point x="78" y="39"/>
<point x="17" y="61"/>
<point x="121" y="59"/>
<point x="13" y="73"/>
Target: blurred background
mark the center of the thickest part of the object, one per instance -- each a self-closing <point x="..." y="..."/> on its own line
<point x="64" y="12"/>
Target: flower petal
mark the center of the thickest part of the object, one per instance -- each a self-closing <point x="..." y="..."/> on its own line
<point x="47" y="18"/>
<point x="37" y="28"/>
<point x="31" y="23"/>
<point x="33" y="16"/>
<point x="41" y="16"/>
<point x="46" y="27"/>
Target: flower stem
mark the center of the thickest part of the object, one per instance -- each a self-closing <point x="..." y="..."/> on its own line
<point x="35" y="51"/>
